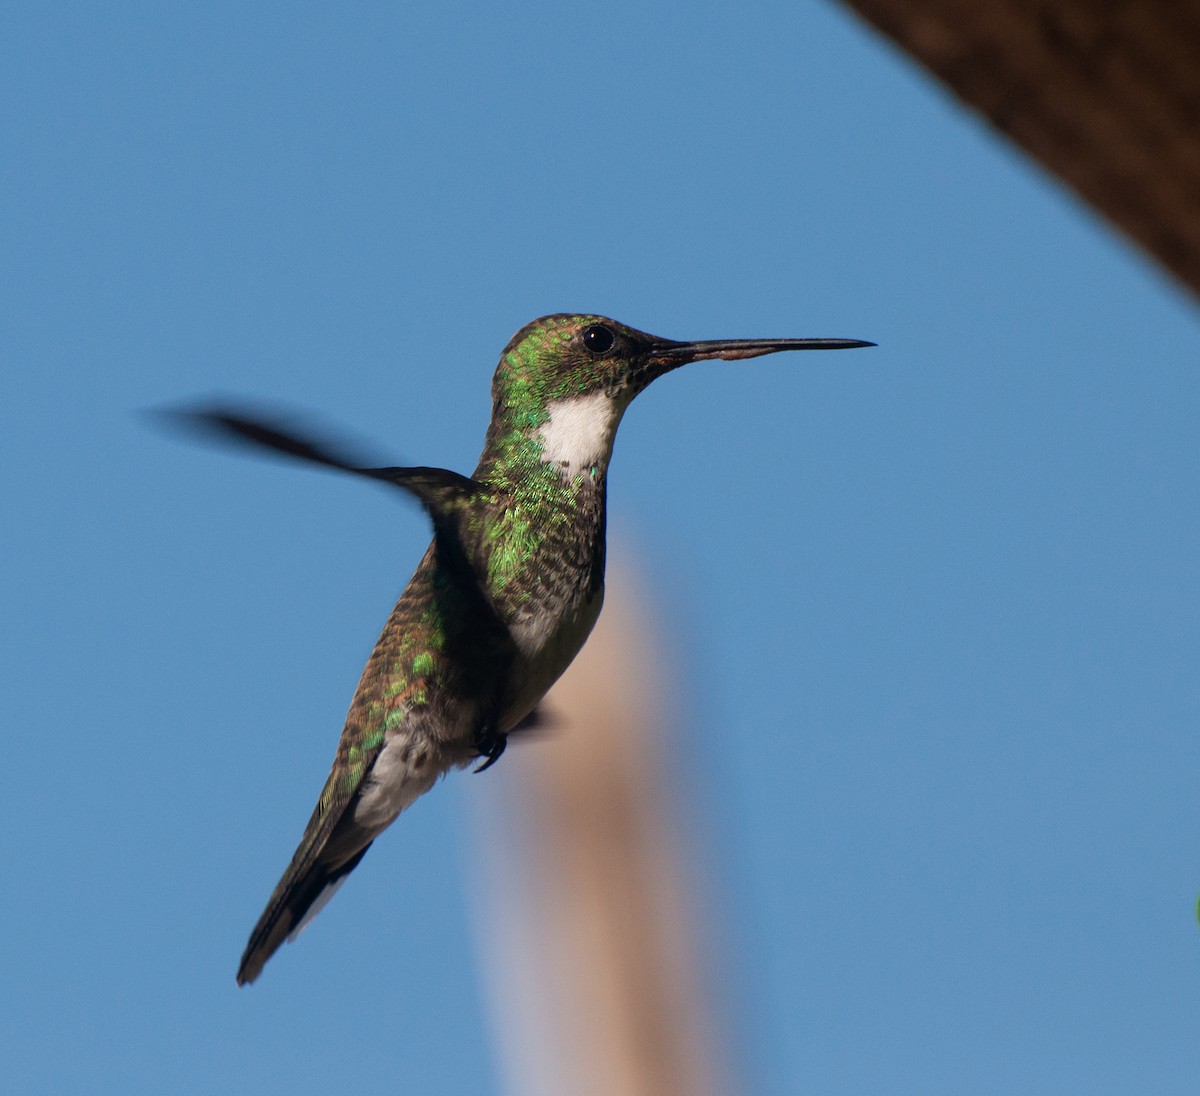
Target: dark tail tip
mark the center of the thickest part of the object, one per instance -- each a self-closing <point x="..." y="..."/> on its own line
<point x="292" y="905"/>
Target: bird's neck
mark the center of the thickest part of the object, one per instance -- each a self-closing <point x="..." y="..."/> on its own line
<point x="556" y="444"/>
<point x="546" y="469"/>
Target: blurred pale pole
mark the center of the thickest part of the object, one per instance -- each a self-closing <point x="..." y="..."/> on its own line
<point x="593" y="934"/>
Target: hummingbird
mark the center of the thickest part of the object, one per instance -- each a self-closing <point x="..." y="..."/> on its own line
<point x="503" y="598"/>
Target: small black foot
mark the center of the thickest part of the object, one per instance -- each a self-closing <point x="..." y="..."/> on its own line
<point x="490" y="746"/>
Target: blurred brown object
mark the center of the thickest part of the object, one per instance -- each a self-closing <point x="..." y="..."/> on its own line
<point x="1105" y="93"/>
<point x="594" y="934"/>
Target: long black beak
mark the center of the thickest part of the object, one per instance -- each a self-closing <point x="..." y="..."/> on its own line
<point x="672" y="354"/>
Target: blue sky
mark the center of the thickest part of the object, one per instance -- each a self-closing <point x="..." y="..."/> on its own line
<point x="937" y="602"/>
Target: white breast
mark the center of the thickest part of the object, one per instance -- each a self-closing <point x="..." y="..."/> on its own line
<point x="579" y="432"/>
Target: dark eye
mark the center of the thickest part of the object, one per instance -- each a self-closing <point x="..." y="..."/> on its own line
<point x="598" y="339"/>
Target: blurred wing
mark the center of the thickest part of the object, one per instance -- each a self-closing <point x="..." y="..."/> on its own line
<point x="444" y="494"/>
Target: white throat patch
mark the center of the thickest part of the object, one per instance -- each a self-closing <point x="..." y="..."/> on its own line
<point x="579" y="432"/>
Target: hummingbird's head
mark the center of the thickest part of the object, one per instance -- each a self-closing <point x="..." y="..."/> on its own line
<point x="567" y="379"/>
<point x="561" y="357"/>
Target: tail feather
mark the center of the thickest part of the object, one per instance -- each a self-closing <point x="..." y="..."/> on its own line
<point x="293" y="905"/>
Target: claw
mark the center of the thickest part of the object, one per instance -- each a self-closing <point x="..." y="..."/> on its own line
<point x="490" y="746"/>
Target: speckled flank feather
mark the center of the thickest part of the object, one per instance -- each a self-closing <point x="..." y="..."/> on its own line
<point x="437" y="660"/>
